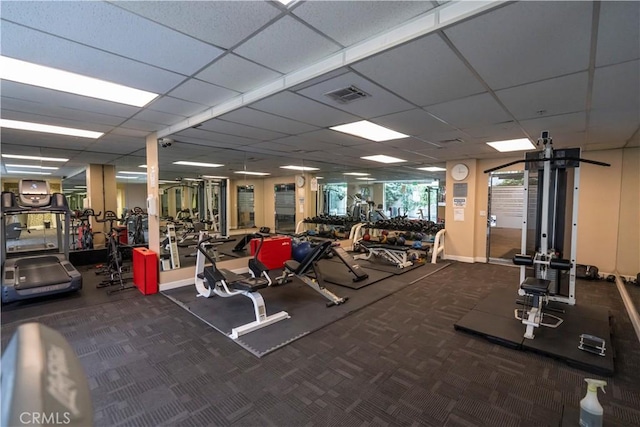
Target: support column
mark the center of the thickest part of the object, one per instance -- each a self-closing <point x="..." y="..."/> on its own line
<point x="102" y="195"/>
<point x="153" y="193"/>
<point x="460" y="219"/>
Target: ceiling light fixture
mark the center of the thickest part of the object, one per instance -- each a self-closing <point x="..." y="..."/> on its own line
<point x="520" y="144"/>
<point x="253" y="173"/>
<point x="366" y="179"/>
<point x="356" y="173"/>
<point x="58" y="130"/>
<point x="32" y="167"/>
<point x="432" y="169"/>
<point x="285" y="2"/>
<point x="368" y="130"/>
<point x="126" y="177"/>
<point x="142" y="166"/>
<point x="132" y="173"/>
<point x="192" y="179"/>
<point x="215" y="177"/>
<point x="79" y="186"/>
<point x="299" y="168"/>
<point x="64" y="81"/>
<point x="42" y="159"/>
<point x="204" y="165"/>
<point x="30" y="172"/>
<point x="381" y="158"/>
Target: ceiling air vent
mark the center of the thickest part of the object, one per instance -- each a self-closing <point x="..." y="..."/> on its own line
<point x="348" y="94"/>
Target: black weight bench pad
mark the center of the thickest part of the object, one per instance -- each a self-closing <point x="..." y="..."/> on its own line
<point x="535" y="286"/>
<point x="241" y="283"/>
<point x="374" y="245"/>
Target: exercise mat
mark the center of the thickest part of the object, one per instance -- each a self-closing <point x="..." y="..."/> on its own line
<point x="306" y="307"/>
<point x="339" y="274"/>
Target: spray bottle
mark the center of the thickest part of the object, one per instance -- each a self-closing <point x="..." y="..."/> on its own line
<point x="590" y="409"/>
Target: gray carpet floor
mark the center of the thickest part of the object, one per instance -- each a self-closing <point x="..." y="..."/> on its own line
<point x="397" y="362"/>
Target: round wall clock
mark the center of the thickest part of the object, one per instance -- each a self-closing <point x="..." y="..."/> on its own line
<point x="460" y="172"/>
<point x="300" y="181"/>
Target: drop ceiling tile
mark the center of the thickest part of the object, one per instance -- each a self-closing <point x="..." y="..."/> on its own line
<point x="424" y="71"/>
<point x="618" y="32"/>
<point x="168" y="104"/>
<point x="263" y="120"/>
<point x="380" y="102"/>
<point x="18" y="137"/>
<point x="476" y="110"/>
<point x="202" y="93"/>
<point x="286" y="45"/>
<point x="608" y="135"/>
<point x="237" y="73"/>
<point x="526" y="41"/>
<point x="158" y="117"/>
<point x="296" y="107"/>
<point x="142" y="125"/>
<point x="43" y="49"/>
<point x="55" y="121"/>
<point x="236" y="129"/>
<point x="114" y="30"/>
<point x="300" y="142"/>
<point x="412" y="122"/>
<point x="574" y="122"/>
<point x="548" y="97"/>
<point x="597" y="146"/>
<point x="617" y="87"/>
<point x="496" y="132"/>
<point x="348" y="22"/>
<point x="411" y="144"/>
<point x="31" y="107"/>
<point x="202" y="134"/>
<point x="67" y="100"/>
<point x="222" y="23"/>
<point x="141" y="135"/>
<point x="337" y="138"/>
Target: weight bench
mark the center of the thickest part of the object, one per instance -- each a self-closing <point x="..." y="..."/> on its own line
<point x="536" y="294"/>
<point x="309" y="273"/>
<point x="211" y="281"/>
<point x="396" y="255"/>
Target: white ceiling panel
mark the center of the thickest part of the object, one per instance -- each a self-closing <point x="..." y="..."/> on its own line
<point x="55" y="121"/>
<point x="497" y="132"/>
<point x="617" y="87"/>
<point x="297" y="107"/>
<point x="168" y="104"/>
<point x="424" y="71"/>
<point x="89" y="157"/>
<point x="349" y="22"/>
<point x="250" y="117"/>
<point x="206" y="137"/>
<point x="19" y="137"/>
<point x="65" y="100"/>
<point x="618" y="32"/>
<point x="526" y="41"/>
<point x="286" y="46"/>
<point x="202" y="93"/>
<point x="302" y="142"/>
<point x="609" y="134"/>
<point x="603" y="146"/>
<point x="141" y="135"/>
<point x="627" y="121"/>
<point x="237" y="73"/>
<point x="43" y="49"/>
<point x="272" y="146"/>
<point x="12" y="104"/>
<point x="573" y="122"/>
<point x="380" y="103"/>
<point x="411" y="144"/>
<point x="165" y="119"/>
<point x="222" y="23"/>
<point x="548" y="97"/>
<point x="468" y="112"/>
<point x="413" y="122"/>
<point x="142" y="125"/>
<point x="337" y="138"/>
<point x="119" y="144"/>
<point x="112" y="29"/>
<point x="236" y="129"/>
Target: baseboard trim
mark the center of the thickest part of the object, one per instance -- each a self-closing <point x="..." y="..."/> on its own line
<point x="460" y="258"/>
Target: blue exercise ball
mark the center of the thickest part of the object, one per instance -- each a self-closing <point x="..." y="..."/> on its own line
<point x="300" y="251"/>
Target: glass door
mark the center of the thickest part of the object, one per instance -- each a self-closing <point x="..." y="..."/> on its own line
<point x="504" y="216"/>
<point x="246" y="213"/>
<point x="285" y="212"/>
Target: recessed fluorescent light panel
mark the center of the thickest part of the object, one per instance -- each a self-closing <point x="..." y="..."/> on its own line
<point x="132" y="173"/>
<point x="381" y="158"/>
<point x="356" y="173"/>
<point x="204" y="165"/>
<point x="512" y="145"/>
<point x="58" y="130"/>
<point x="299" y="168"/>
<point x="366" y="179"/>
<point x="432" y="169"/>
<point x="253" y="173"/>
<point x="368" y="130"/>
<point x="30" y="172"/>
<point x="142" y="166"/>
<point x="64" y="81"/>
<point x="32" y="167"/>
<point x="192" y="179"/>
<point x="214" y="177"/>
<point x="126" y="177"/>
<point x="286" y="2"/>
<point x="41" y="159"/>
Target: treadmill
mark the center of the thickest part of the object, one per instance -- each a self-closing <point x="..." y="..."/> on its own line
<point x="47" y="273"/>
